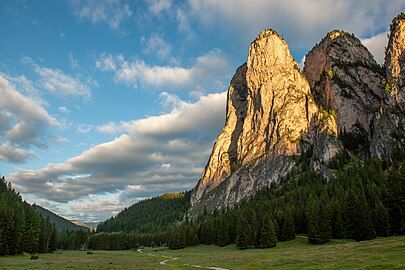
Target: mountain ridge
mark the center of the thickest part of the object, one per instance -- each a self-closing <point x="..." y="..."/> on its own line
<point x="275" y="112"/>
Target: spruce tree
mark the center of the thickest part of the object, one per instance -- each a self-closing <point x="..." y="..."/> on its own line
<point x="318" y="221"/>
<point x="222" y="238"/>
<point x="358" y="219"/>
<point x="396" y="198"/>
<point x="287" y="229"/>
<point x="242" y="233"/>
<point x="267" y="236"/>
<point x="381" y="219"/>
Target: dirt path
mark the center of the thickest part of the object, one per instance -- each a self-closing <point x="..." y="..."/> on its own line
<point x="169" y="258"/>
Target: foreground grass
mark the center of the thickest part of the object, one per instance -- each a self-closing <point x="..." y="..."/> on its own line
<point x="382" y="253"/>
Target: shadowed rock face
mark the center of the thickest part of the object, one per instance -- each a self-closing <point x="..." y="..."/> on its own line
<point x="269" y="107"/>
<point x="346" y="80"/>
<point x="274" y="112"/>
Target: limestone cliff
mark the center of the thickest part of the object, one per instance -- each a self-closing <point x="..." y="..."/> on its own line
<point x="269" y="108"/>
<point x="389" y="126"/>
<point x="343" y="99"/>
<point x="345" y="80"/>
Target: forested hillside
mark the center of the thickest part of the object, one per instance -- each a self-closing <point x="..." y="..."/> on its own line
<point x="365" y="200"/>
<point x="60" y="222"/>
<point x="22" y="229"/>
<point x="153" y="215"/>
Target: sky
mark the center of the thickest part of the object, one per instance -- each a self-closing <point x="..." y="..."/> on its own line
<point x="105" y="103"/>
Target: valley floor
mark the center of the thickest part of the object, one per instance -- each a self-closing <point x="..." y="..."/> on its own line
<point x="381" y="253"/>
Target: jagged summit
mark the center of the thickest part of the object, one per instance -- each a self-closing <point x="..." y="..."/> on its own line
<point x="268" y="108"/>
<point x="345" y="78"/>
<point x="395" y="60"/>
<point x="275" y="112"/>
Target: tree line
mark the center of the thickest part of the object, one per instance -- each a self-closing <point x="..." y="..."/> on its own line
<point x="23" y="229"/>
<point x="365" y="200"/>
<point x="154" y="215"/>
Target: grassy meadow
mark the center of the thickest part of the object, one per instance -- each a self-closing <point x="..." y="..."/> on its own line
<point x="381" y="253"/>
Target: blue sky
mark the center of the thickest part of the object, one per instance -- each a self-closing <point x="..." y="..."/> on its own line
<point x="103" y="103"/>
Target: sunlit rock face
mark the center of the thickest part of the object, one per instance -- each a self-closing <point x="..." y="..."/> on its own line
<point x="395" y="61"/>
<point x="342" y="100"/>
<point x="389" y="124"/>
<point x="269" y="107"/>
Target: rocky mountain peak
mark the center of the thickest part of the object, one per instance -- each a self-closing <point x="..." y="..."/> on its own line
<point x="342" y="99"/>
<point x="395" y="60"/>
<point x="345" y="79"/>
<point x="269" y="107"/>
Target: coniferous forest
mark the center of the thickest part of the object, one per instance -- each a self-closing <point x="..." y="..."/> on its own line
<point x="366" y="199"/>
<point x="23" y="229"/>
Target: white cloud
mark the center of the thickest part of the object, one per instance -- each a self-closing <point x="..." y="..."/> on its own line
<point x="208" y="71"/>
<point x="57" y="82"/>
<point x="73" y="63"/>
<point x="158" y="6"/>
<point x="155" y="44"/>
<point x="111" y="12"/>
<point x="158" y="154"/>
<point x="83" y="128"/>
<point x="23" y="123"/>
<point x="376" y="45"/>
<point x="301" y="22"/>
<point x="63" y="109"/>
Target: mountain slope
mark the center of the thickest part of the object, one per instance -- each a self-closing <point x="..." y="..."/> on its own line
<point x="342" y="100"/>
<point x="60" y="222"/>
<point x="153" y="215"/>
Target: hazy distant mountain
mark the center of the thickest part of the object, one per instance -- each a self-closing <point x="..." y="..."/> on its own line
<point x="60" y="222"/>
<point x="90" y="225"/>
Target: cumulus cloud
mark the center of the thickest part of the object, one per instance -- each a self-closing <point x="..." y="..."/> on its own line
<point x="111" y="12"/>
<point x="302" y="22"/>
<point x="23" y="123"/>
<point x="157" y="154"/>
<point x="208" y="70"/>
<point x="376" y="45"/>
<point x="13" y="154"/>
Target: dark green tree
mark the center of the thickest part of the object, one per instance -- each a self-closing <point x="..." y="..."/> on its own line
<point x="318" y="221"/>
<point x="267" y="236"/>
<point x="287" y="230"/>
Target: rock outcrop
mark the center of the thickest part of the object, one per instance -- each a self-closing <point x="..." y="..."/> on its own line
<point x="345" y="80"/>
<point x="269" y="108"/>
<point x="343" y="99"/>
<point x="389" y="125"/>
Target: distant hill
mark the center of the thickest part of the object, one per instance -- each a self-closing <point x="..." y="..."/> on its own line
<point x="60" y="222"/>
<point x="90" y="225"/>
<point x="153" y="215"/>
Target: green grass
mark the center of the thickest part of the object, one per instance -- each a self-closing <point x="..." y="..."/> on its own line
<point x="381" y="253"/>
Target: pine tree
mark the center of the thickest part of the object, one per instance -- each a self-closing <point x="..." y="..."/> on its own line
<point x="396" y="198"/>
<point x="381" y="219"/>
<point x="267" y="236"/>
<point x="242" y="233"/>
<point x="222" y="238"/>
<point x="318" y="221"/>
<point x="358" y="218"/>
<point x="287" y="229"/>
<point x="336" y="218"/>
